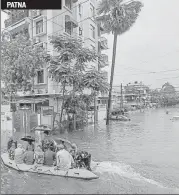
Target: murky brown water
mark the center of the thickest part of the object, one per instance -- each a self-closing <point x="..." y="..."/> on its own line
<point x="140" y="156"/>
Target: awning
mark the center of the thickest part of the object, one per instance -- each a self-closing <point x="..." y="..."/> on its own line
<point x="71" y="21"/>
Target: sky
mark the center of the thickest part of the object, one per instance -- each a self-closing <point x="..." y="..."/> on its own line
<point x="149" y="51"/>
<point x="151" y="45"/>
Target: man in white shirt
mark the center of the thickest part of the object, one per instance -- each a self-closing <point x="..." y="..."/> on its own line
<point x="64" y="158"/>
<point x="19" y="154"/>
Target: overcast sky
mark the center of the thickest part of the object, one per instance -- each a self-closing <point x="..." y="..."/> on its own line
<point x="151" y="45"/>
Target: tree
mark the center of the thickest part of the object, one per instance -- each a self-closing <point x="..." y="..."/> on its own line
<point x="117" y="16"/>
<point x="168" y="88"/>
<point x="20" y="62"/>
<point x="71" y="67"/>
<point x="168" y="94"/>
<point x="94" y="80"/>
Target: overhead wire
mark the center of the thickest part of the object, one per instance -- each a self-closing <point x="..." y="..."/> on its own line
<point x="62" y="12"/>
<point x="151" y="72"/>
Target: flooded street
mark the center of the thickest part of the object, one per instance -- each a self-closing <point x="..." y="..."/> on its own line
<point x="140" y="156"/>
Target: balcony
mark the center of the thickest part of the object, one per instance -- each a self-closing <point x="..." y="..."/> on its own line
<point x="103" y="43"/>
<point x="15" y="17"/>
<point x="105" y="58"/>
<point x="104" y="62"/>
<point x="70" y="21"/>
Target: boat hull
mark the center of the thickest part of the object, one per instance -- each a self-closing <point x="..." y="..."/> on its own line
<point x="118" y="119"/>
<point x="40" y="169"/>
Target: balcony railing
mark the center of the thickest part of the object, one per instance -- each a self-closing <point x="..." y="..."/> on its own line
<point x="15" y="17"/>
<point x="103" y="43"/>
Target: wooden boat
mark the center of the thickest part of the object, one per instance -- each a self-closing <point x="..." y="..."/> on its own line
<point x="71" y="173"/>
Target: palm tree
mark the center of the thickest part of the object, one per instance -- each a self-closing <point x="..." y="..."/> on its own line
<point x="117" y="16"/>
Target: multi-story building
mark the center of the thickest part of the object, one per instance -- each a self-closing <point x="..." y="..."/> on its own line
<point x="75" y="19"/>
<point x="136" y="93"/>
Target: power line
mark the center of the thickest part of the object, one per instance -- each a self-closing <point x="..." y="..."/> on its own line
<point x="63" y="12"/>
<point x="143" y="62"/>
<point x="152" y="72"/>
<point x="169" y="78"/>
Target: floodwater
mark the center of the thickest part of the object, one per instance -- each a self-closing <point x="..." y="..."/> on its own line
<point x="139" y="156"/>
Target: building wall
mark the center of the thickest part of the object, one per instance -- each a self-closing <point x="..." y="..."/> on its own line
<point x="54" y="24"/>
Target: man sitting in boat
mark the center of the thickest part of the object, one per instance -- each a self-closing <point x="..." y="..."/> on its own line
<point x="31" y="144"/>
<point x="19" y="154"/>
<point x="29" y="156"/>
<point x="64" y="159"/>
<point x="47" y="142"/>
<point x="11" y="151"/>
<point x="49" y="156"/>
<point x="82" y="159"/>
<point x="39" y="155"/>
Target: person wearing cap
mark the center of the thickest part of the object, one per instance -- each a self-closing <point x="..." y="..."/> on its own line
<point x="31" y="144"/>
<point x="29" y="155"/>
<point x="19" y="154"/>
<point x="64" y="159"/>
<point x="73" y="150"/>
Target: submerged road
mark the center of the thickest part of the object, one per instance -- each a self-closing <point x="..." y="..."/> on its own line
<point x="139" y="156"/>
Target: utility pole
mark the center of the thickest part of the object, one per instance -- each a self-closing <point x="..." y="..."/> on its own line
<point x="139" y="100"/>
<point x="121" y="97"/>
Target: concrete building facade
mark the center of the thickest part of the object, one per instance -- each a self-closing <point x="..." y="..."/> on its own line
<point x="76" y="19"/>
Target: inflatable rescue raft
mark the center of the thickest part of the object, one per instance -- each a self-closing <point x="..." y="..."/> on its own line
<point x="72" y="173"/>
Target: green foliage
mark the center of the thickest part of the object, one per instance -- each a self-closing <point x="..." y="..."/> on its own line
<point x="94" y="80"/>
<point x="20" y="62"/>
<point x="167" y="88"/>
<point x="74" y="65"/>
<point x="167" y="96"/>
<point x="118" y="15"/>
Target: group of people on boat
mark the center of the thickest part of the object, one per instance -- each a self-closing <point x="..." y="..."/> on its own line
<point x="48" y="154"/>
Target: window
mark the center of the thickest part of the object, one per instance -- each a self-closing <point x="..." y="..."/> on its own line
<point x="39" y="27"/>
<point x="40" y="76"/>
<point x="92" y="13"/>
<point x="68" y="4"/>
<point x="68" y="28"/>
<point x="92" y="29"/>
<point x="80" y="31"/>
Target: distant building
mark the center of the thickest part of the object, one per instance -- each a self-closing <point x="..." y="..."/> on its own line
<point x="136" y="93"/>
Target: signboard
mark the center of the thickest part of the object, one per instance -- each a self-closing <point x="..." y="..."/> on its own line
<point x="31" y="4"/>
